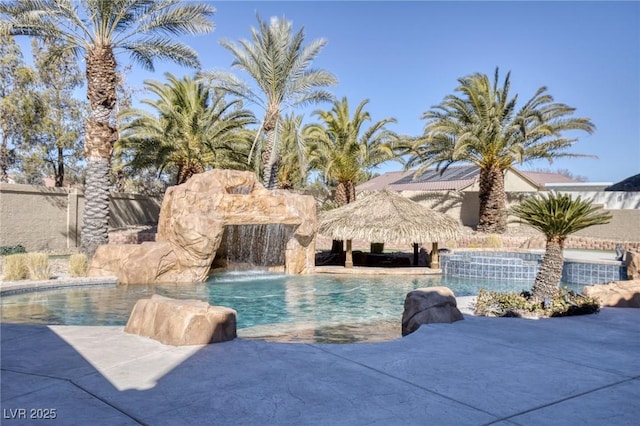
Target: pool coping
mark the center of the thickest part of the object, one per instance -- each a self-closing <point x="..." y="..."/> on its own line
<point x="374" y="270"/>
<point x="24" y="286"/>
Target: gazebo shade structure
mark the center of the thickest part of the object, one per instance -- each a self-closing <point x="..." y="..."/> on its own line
<point x="387" y="217"/>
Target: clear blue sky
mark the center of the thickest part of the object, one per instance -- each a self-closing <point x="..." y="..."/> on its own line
<point x="407" y="56"/>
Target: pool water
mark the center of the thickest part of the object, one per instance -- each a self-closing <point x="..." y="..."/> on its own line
<point x="301" y="308"/>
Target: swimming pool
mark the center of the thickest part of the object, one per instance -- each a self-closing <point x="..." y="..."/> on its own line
<point x="300" y="308"/>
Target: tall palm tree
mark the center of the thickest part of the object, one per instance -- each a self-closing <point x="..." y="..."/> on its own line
<point x="344" y="150"/>
<point x="280" y="67"/>
<point x="293" y="165"/>
<point x="188" y="127"/>
<point x="557" y="216"/>
<point x="483" y="126"/>
<point x="98" y="29"/>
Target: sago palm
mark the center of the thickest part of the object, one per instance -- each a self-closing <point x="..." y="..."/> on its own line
<point x="98" y="30"/>
<point x="344" y="150"/>
<point x="483" y="126"/>
<point x="188" y="128"/>
<point x="557" y="216"/>
<point x="280" y="66"/>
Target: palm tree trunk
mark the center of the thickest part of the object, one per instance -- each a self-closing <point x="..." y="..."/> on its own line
<point x="550" y="273"/>
<point x="351" y="191"/>
<point x="95" y="223"/>
<point x="342" y="194"/>
<point x="269" y="167"/>
<point x="493" y="211"/>
<point x="101" y="135"/>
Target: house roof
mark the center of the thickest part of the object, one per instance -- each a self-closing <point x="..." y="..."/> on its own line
<point x="631" y="183"/>
<point x="543" y="178"/>
<point x="454" y="178"/>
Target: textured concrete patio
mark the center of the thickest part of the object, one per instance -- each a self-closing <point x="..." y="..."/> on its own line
<point x="577" y="370"/>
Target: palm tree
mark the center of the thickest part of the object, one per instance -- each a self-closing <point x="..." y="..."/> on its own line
<point x="292" y="167"/>
<point x="279" y="65"/>
<point x="344" y="151"/>
<point x="484" y="127"/>
<point x="98" y="29"/>
<point x="557" y="216"/>
<point x="190" y="129"/>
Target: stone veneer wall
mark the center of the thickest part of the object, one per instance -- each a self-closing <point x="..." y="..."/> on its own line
<point x="574" y="242"/>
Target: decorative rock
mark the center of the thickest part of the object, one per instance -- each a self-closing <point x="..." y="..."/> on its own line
<point x="620" y="294"/>
<point x="632" y="260"/>
<point x="429" y="305"/>
<point x="191" y="226"/>
<point x="181" y="322"/>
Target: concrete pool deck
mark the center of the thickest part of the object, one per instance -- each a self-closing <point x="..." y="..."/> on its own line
<point x="574" y="370"/>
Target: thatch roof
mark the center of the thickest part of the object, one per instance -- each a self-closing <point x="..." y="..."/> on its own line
<point x="387" y="217"/>
<point x="630" y="184"/>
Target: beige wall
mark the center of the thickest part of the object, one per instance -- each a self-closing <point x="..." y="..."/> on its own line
<point x="513" y="182"/>
<point x="50" y="219"/>
<point x="462" y="206"/>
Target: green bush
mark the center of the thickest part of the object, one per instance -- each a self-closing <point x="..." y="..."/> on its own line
<point x="564" y="303"/>
<point x="493" y="241"/>
<point x="8" y="250"/>
<point x="14" y="267"/>
<point x="37" y="266"/>
<point x="78" y="265"/>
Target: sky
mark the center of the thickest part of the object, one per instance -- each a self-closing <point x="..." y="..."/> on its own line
<point x="405" y="57"/>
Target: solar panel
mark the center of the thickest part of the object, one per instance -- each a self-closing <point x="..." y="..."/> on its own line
<point x="432" y="175"/>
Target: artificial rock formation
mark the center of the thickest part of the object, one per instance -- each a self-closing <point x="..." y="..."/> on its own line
<point x="192" y="221"/>
<point x="429" y="305"/>
<point x="632" y="260"/>
<point x="181" y="322"/>
<point x="620" y="294"/>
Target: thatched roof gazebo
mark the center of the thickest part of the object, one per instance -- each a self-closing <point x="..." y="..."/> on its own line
<point x="388" y="217"/>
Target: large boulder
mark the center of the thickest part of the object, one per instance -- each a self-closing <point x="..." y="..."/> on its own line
<point x="191" y="227"/>
<point x="181" y="322"/>
<point x="620" y="294"/>
<point x="429" y="305"/>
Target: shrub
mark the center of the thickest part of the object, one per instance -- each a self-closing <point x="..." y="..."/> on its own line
<point x="493" y="241"/>
<point x="14" y="267"/>
<point x="37" y="266"/>
<point x="7" y="250"/>
<point x="564" y="303"/>
<point x="78" y="265"/>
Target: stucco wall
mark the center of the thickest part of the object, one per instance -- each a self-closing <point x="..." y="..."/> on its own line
<point x="50" y="219"/>
<point x="513" y="182"/>
<point x="612" y="200"/>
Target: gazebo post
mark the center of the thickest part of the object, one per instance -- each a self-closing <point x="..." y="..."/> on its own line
<point x="348" y="261"/>
<point x="435" y="257"/>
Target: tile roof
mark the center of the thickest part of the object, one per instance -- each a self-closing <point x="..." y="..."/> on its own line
<point x="453" y="178"/>
<point x="542" y="178"/>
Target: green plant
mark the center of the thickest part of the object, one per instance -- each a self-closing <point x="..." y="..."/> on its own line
<point x="557" y="216"/>
<point x="78" y="265"/>
<point x="563" y="303"/>
<point x="37" y="265"/>
<point x="493" y="241"/>
<point x="14" y="267"/>
<point x="7" y="250"/>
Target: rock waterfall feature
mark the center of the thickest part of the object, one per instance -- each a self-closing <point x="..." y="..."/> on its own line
<point x="211" y="210"/>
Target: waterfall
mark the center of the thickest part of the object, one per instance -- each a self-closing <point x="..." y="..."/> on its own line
<point x="256" y="245"/>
